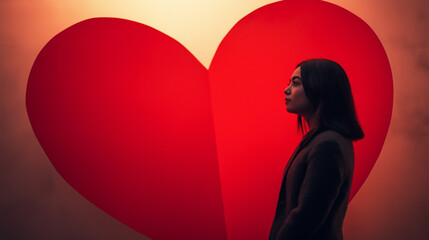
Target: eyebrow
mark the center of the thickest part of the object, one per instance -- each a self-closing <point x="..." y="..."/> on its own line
<point x="295" y="77"/>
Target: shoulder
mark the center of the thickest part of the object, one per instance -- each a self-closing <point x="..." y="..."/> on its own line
<point x="329" y="138"/>
<point x="330" y="143"/>
<point x="329" y="135"/>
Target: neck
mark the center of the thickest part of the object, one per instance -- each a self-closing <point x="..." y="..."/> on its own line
<point x="310" y="121"/>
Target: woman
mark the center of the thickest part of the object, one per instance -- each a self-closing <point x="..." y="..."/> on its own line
<point x="317" y="179"/>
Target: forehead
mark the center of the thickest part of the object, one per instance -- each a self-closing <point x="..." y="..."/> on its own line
<point x="296" y="73"/>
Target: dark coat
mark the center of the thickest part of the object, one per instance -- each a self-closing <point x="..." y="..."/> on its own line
<point x="315" y="190"/>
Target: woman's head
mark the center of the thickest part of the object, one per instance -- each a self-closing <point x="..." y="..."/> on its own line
<point x="296" y="99"/>
<point x="320" y="90"/>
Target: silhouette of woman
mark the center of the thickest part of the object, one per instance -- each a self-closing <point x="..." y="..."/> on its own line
<point x="317" y="180"/>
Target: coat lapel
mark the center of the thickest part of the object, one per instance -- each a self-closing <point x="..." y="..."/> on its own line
<point x="291" y="159"/>
<point x="299" y="148"/>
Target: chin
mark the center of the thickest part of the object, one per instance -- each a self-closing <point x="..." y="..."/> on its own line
<point x="291" y="110"/>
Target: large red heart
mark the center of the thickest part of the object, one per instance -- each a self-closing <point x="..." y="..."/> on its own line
<point x="140" y="128"/>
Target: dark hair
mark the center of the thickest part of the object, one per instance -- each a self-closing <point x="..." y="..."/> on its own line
<point x="328" y="89"/>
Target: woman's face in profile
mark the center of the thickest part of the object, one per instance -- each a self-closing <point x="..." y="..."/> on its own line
<point x="296" y="99"/>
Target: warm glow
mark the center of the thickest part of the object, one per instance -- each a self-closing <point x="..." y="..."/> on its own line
<point x="199" y="25"/>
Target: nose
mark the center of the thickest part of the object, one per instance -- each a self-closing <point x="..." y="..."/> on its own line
<point x="287" y="90"/>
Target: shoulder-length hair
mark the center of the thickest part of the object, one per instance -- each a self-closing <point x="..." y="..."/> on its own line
<point x="328" y="89"/>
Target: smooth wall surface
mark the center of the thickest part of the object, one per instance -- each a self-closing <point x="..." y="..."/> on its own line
<point x="36" y="203"/>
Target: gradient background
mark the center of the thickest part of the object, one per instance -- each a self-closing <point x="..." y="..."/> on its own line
<point x="36" y="203"/>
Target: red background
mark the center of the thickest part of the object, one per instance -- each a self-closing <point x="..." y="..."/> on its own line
<point x="36" y="203"/>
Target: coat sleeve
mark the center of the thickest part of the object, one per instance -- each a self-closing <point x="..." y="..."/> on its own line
<point x="319" y="190"/>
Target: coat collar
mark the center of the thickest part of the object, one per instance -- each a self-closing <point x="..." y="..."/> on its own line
<point x="304" y="142"/>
